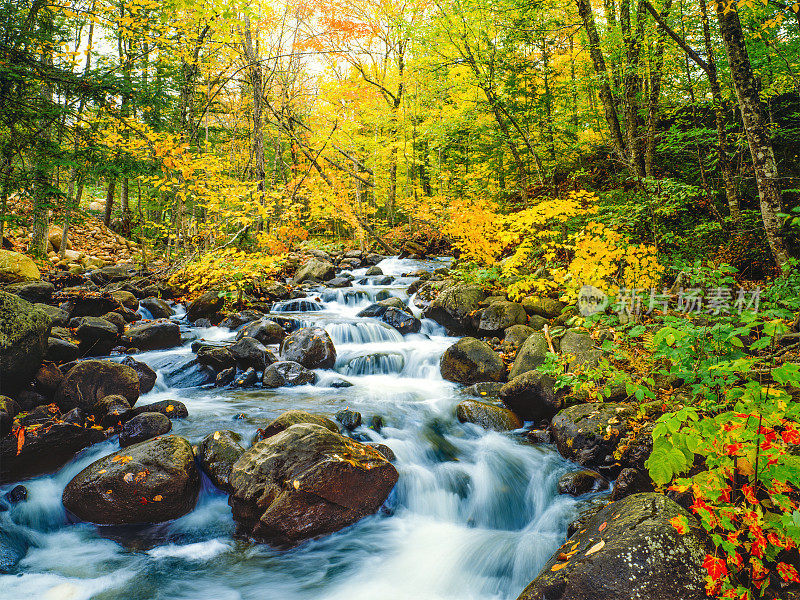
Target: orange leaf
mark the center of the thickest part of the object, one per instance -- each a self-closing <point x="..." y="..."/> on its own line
<point x="20" y="439"/>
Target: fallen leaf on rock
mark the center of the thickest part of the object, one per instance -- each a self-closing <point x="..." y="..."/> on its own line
<point x="558" y="566"/>
<point x="596" y="548"/>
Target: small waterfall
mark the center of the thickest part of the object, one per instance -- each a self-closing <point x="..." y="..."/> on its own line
<point x="382" y="363"/>
<point x="300" y="305"/>
<point x="362" y="332"/>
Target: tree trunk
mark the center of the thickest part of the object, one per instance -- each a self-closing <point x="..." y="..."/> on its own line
<point x="653" y="109"/>
<point x="112" y="188"/>
<point x="258" y="170"/>
<point x="632" y="84"/>
<point x="764" y="164"/>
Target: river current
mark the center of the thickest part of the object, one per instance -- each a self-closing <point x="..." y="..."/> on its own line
<point x="474" y="515"/>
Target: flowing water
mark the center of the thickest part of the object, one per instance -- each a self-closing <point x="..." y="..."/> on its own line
<point x="474" y="515"/>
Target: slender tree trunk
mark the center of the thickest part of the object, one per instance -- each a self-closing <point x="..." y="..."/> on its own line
<point x="7" y="170"/>
<point x="653" y="111"/>
<point x="110" y="193"/>
<point x="606" y="96"/>
<point x="632" y="84"/>
<point x="258" y="169"/>
<point x="761" y="150"/>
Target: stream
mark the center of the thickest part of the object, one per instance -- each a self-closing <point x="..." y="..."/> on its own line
<point x="474" y="515"/>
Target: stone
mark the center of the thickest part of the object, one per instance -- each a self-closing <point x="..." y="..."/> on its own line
<point x="628" y="550"/>
<point x="150" y="482"/>
<point x="126" y="299"/>
<point x="387" y="452"/>
<point x="169" y="408"/>
<point x="488" y="416"/>
<point x="32" y="291"/>
<point x="246" y="378"/>
<point x="631" y="481"/>
<point x="111" y="410"/>
<point x="517" y="334"/>
<point x="16" y="267"/>
<point x="581" y="346"/>
<point x="544" y="307"/>
<point x="350" y="419"/>
<point x="147" y="376"/>
<point x="58" y="317"/>
<point x="588" y="433"/>
<point x="577" y="483"/>
<point x="501" y="315"/>
<point x="315" y="269"/>
<point x="469" y="361"/>
<point x="60" y="351"/>
<point x="401" y="320"/>
<point x="47" y="379"/>
<point x="96" y="336"/>
<point x="532" y="396"/>
<point x="143" y="427"/>
<point x="45" y="452"/>
<point x="206" y="305"/>
<point x="158" y="308"/>
<point x="312" y="347"/>
<point x="532" y="354"/>
<point x="23" y="341"/>
<point x="453" y="306"/>
<point x="90" y="380"/>
<point x="154" y="335"/>
<point x="374" y="271"/>
<point x="225" y="377"/>
<point x="115" y="319"/>
<point x="238" y="319"/>
<point x="250" y="353"/>
<point x="267" y="332"/>
<point x="287" y="373"/>
<point x="293" y="417"/>
<point x="217" y="453"/>
<point x="305" y="482"/>
<point x="216" y="358"/>
<point x="485" y="389"/>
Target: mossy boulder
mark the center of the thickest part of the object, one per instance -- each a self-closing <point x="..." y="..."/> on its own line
<point x="626" y="551"/>
<point x="488" y="416"/>
<point x="453" y="306"/>
<point x="24" y="330"/>
<point x="470" y="360"/>
<point x="589" y="433"/>
<point x="217" y="454"/>
<point x="16" y="267"/>
<point x="532" y="354"/>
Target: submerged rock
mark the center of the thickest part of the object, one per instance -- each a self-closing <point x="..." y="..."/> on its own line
<point x="487" y="416"/>
<point x="151" y="482"/>
<point x="305" y="482"/>
<point x="628" y="550"/>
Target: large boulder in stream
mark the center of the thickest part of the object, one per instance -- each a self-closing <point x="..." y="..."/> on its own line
<point x="23" y="341"/>
<point x="287" y="373"/>
<point x="401" y="320"/>
<point x="151" y="482"/>
<point x="293" y="417"/>
<point x="143" y="427"/>
<point x="628" y="550"/>
<point x="154" y="335"/>
<point x="249" y="353"/>
<point x="217" y="454"/>
<point x="267" y="332"/>
<point x="532" y="354"/>
<point x="206" y="305"/>
<point x="315" y="269"/>
<point x="532" y="395"/>
<point x="45" y="448"/>
<point x="147" y="376"/>
<point x="305" y="482"/>
<point x="454" y="305"/>
<point x="312" y="347"/>
<point x="91" y="380"/>
<point x="589" y="433"/>
<point x="487" y="416"/>
<point x="470" y="360"/>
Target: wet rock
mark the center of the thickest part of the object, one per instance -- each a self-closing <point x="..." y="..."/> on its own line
<point x="16" y="267"/>
<point x="126" y="299"/>
<point x="485" y="389"/>
<point x="169" y="408"/>
<point x="128" y="316"/>
<point x="247" y="378"/>
<point x="157" y="307"/>
<point x="115" y="319"/>
<point x="453" y="306"/>
<point x="401" y="321"/>
<point x="47" y="451"/>
<point x="540" y="436"/>
<point x="350" y="419"/>
<point x="339" y="282"/>
<point x="387" y="452"/>
<point x="19" y="493"/>
<point x="217" y="454"/>
<point x="23" y="341"/>
<point x="532" y="396"/>
<point x="206" y="305"/>
<point x="581" y="346"/>
<point x="373" y="259"/>
<point x="47" y="379"/>
<point x="225" y="377"/>
<point x="238" y="319"/>
<point x="203" y="322"/>
<point x="543" y="307"/>
<point x="517" y="334"/>
<point x="90" y="380"/>
<point x="287" y="373"/>
<point x="96" y="336"/>
<point x="14" y="545"/>
<point x="340" y="383"/>
<point x="501" y="315"/>
<point x="373" y="310"/>
<point x="312" y="347"/>
<point x="274" y="290"/>
<point x="305" y="482"/>
<point x="294" y="417"/>
<point x="61" y="351"/>
<point x="111" y="410"/>
<point x="151" y="482"/>
<point x="532" y="354"/>
<point x="638" y="554"/>
<point x="58" y="317"/>
<point x="32" y="291"/>
<point x="487" y="416"/>
<point x="143" y="427"/>
<point x="267" y="332"/>
<point x="637" y="448"/>
<point x="147" y="376"/>
<point x="374" y="271"/>
<point x="40" y="415"/>
<point x="215" y="357"/>
<point x="470" y="361"/>
<point x="315" y="269"/>
<point x="76" y="416"/>
<point x="588" y="433"/>
<point x="154" y="335"/>
<point x="8" y="410"/>
<point x="577" y="483"/>
<point x="395" y="302"/>
<point x="83" y="303"/>
<point x="631" y="481"/>
<point x="250" y="353"/>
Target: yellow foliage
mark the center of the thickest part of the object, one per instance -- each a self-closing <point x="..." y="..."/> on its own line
<point x="228" y="270"/>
